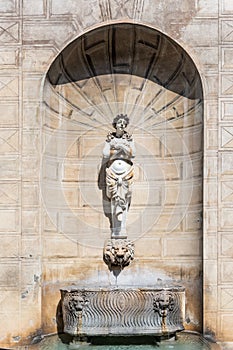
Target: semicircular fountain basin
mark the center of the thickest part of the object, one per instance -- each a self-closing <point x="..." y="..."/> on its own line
<point x="184" y="341"/>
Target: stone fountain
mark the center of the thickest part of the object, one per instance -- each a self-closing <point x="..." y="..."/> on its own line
<point x="156" y="310"/>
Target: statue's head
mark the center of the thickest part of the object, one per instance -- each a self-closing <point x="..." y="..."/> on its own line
<point x="121" y="120"/>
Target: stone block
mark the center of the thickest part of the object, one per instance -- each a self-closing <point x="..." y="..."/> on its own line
<point x="187" y="142"/>
<point x="10" y="246"/>
<point x="9" y="220"/>
<point x="151" y="144"/>
<point x="9" y="86"/>
<point x="9" y="114"/>
<point x="9" y="168"/>
<point x="9" y="277"/>
<point x="30" y="168"/>
<point x="135" y="223"/>
<point x="211" y="167"/>
<point x="226" y="247"/>
<point x="179" y="193"/>
<point x="211" y="192"/>
<point x="226" y="7"/>
<point x="63" y="271"/>
<point x="145" y="193"/>
<point x="79" y="223"/>
<point x="9" y="58"/>
<point x="191" y="33"/>
<point x="211" y="138"/>
<point x="226" y="271"/>
<point x="58" y="144"/>
<point x="64" y="7"/>
<point x="226" y="34"/>
<point x="9" y="7"/>
<point x="30" y="194"/>
<point x="210" y="272"/>
<point x="73" y="150"/>
<point x="226" y="298"/>
<point x="193" y="219"/>
<point x="169" y="169"/>
<point x="30" y="247"/>
<point x="9" y="193"/>
<point x="211" y="219"/>
<point x="90" y="195"/>
<point x="227" y="84"/>
<point x="227" y="58"/>
<point x="11" y="299"/>
<point x="53" y="195"/>
<point x="30" y="317"/>
<point x="91" y="146"/>
<point x="30" y="221"/>
<point x="90" y="250"/>
<point x="37" y="59"/>
<point x="226" y="191"/>
<point x="226" y="110"/>
<point x="210" y="246"/>
<point x="32" y="88"/>
<point x="50" y="168"/>
<point x="208" y="56"/>
<point x="30" y="10"/>
<point x="192" y="166"/>
<point x="10" y="327"/>
<point x="226" y="219"/>
<point x="212" y="85"/>
<point x="9" y="141"/>
<point x="226" y="163"/>
<point x="210" y="298"/>
<point x="9" y="32"/>
<point x="207" y="9"/>
<point x="226" y="137"/>
<point x="86" y="171"/>
<point x="212" y="112"/>
<point x="49" y="32"/>
<point x="162" y="221"/>
<point x="30" y="274"/>
<point x="30" y="142"/>
<point x="210" y="323"/>
<point x="73" y="197"/>
<point x="50" y="221"/>
<point x="225" y="327"/>
<point x="182" y="246"/>
<point x="149" y="247"/>
<point x="58" y="247"/>
<point x="31" y="115"/>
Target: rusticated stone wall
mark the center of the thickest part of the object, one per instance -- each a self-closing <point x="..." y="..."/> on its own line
<point x="35" y="259"/>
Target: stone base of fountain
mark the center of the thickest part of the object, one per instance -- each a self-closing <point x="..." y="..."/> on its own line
<point x="156" y="311"/>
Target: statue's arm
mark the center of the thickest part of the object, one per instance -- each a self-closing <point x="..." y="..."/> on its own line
<point x="133" y="149"/>
<point x="106" y="150"/>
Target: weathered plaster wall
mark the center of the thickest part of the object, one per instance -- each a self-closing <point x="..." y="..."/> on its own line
<point x="33" y="257"/>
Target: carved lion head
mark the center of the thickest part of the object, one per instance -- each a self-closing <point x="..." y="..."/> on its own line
<point x="118" y="252"/>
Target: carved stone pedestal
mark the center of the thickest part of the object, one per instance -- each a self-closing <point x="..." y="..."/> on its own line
<point x="130" y="311"/>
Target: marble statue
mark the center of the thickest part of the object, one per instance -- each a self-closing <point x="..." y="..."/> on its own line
<point x="118" y="153"/>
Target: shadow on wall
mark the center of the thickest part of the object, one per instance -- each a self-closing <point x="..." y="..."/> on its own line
<point x="128" y="49"/>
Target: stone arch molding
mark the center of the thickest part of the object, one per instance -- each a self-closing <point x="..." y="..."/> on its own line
<point x="136" y="70"/>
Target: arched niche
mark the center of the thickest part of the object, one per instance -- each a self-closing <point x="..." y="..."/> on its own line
<point x="136" y="70"/>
